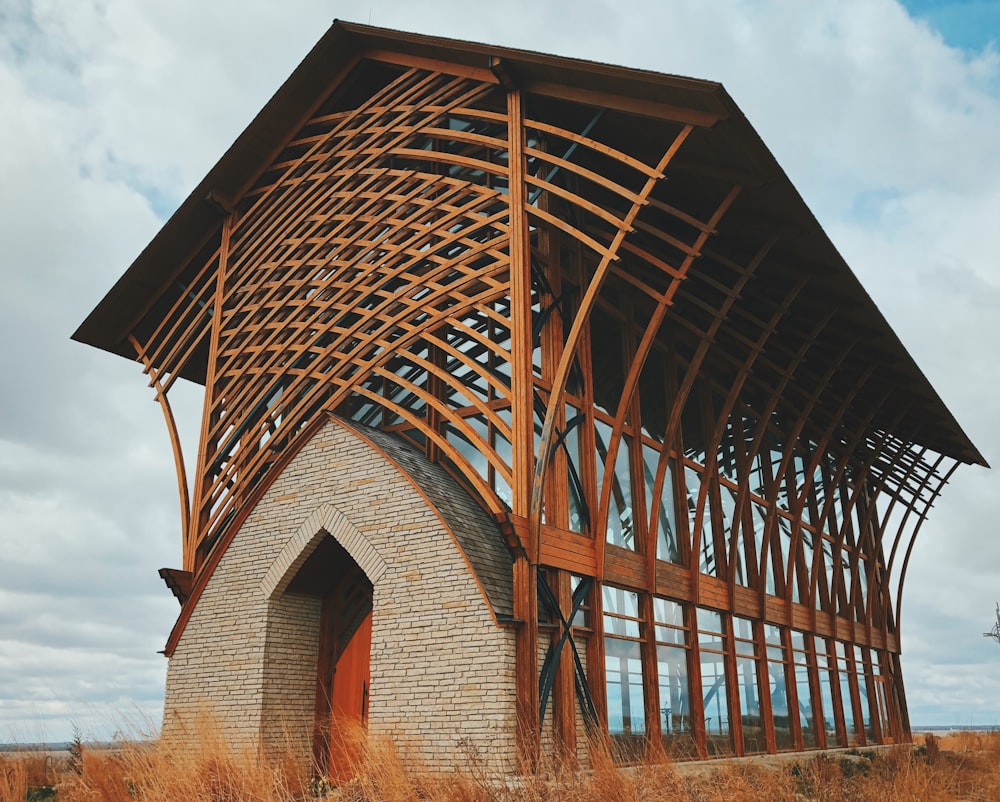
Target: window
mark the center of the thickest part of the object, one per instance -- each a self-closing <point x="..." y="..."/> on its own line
<point x="779" y="678"/>
<point x="623" y="662"/>
<point x="801" y="658"/>
<point x="672" y="651"/>
<point x="748" y="686"/>
<point x="713" y="647"/>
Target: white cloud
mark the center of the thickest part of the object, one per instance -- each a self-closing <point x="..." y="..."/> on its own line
<point x="119" y="109"/>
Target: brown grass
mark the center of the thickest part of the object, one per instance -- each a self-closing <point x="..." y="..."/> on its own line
<point x="964" y="766"/>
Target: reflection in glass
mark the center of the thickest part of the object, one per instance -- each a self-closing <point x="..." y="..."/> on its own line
<point x="748" y="686"/>
<point x="846" y="673"/>
<point x="578" y="513"/>
<point x="623" y="662"/>
<point x="623" y="666"/>
<point x="807" y="715"/>
<point x="619" y="531"/>
<point x="663" y="507"/>
<point x="715" y="697"/>
<point x="779" y="678"/>
<point x="672" y="669"/>
<point x="828" y="712"/>
<point x="706" y="545"/>
<point x="728" y="498"/>
<point x="866" y="707"/>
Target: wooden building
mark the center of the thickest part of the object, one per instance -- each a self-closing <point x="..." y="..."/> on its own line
<point x="536" y="403"/>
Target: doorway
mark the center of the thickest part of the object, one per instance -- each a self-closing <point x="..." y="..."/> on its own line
<point x="343" y="670"/>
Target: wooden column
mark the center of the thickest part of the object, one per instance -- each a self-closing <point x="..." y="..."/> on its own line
<point x="525" y="564"/>
<point x="563" y="691"/>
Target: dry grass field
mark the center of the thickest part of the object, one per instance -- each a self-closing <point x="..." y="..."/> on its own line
<point x="963" y="766"/>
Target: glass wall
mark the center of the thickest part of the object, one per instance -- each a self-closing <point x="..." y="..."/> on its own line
<point x="743" y="679"/>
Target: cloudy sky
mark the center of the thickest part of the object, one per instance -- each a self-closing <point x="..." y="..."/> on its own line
<point x="886" y="116"/>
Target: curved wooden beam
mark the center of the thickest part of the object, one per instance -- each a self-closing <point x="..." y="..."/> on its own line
<point x="175" y="440"/>
<point x="913" y="538"/>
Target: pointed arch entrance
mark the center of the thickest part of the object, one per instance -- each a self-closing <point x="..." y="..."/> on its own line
<point x="343" y="673"/>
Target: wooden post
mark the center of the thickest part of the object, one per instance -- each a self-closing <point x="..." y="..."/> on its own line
<point x="525" y="564"/>
<point x="564" y="693"/>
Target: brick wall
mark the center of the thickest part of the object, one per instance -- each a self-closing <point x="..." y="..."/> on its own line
<point x="442" y="670"/>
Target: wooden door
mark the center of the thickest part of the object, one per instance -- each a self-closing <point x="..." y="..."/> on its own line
<point x="343" y="675"/>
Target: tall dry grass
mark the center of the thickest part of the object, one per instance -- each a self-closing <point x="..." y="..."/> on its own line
<point x="960" y="767"/>
<point x="13" y="779"/>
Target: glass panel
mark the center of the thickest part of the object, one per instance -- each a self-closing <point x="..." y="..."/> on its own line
<point x="623" y="666"/>
<point x="827" y="713"/>
<point x="707" y="561"/>
<point x="828" y="567"/>
<point x="716" y="701"/>
<point x="758" y="477"/>
<point x="578" y="514"/>
<point x="846" y="673"/>
<point x="804" y="564"/>
<point x="861" y="594"/>
<point x="866" y="707"/>
<point x="727" y="496"/>
<point x="882" y="697"/>
<point x="785" y="542"/>
<point x="758" y="513"/>
<point x="621" y="612"/>
<point x="743" y="632"/>
<point x="774" y="448"/>
<point x="750" y="712"/>
<point x="666" y="541"/>
<point x="503" y="448"/>
<point x="581" y="617"/>
<point x="778" y="677"/>
<point x="799" y="461"/>
<point x="675" y="710"/>
<point x="472" y="454"/>
<point x="748" y="686"/>
<point x="672" y="670"/>
<point x="623" y="662"/>
<point x="715" y="696"/>
<point x="710" y="629"/>
<point x="807" y="714"/>
<point x="844" y="587"/>
<point x="669" y="617"/>
<point x="807" y="717"/>
<point x="619" y="531"/>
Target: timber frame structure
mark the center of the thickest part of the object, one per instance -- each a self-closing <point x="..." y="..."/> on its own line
<point x="593" y="298"/>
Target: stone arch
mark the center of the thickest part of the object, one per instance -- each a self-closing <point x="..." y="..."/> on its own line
<point x="293" y="623"/>
<point x="326" y="520"/>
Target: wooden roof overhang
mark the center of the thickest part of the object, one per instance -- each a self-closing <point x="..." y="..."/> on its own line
<point x="726" y="146"/>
